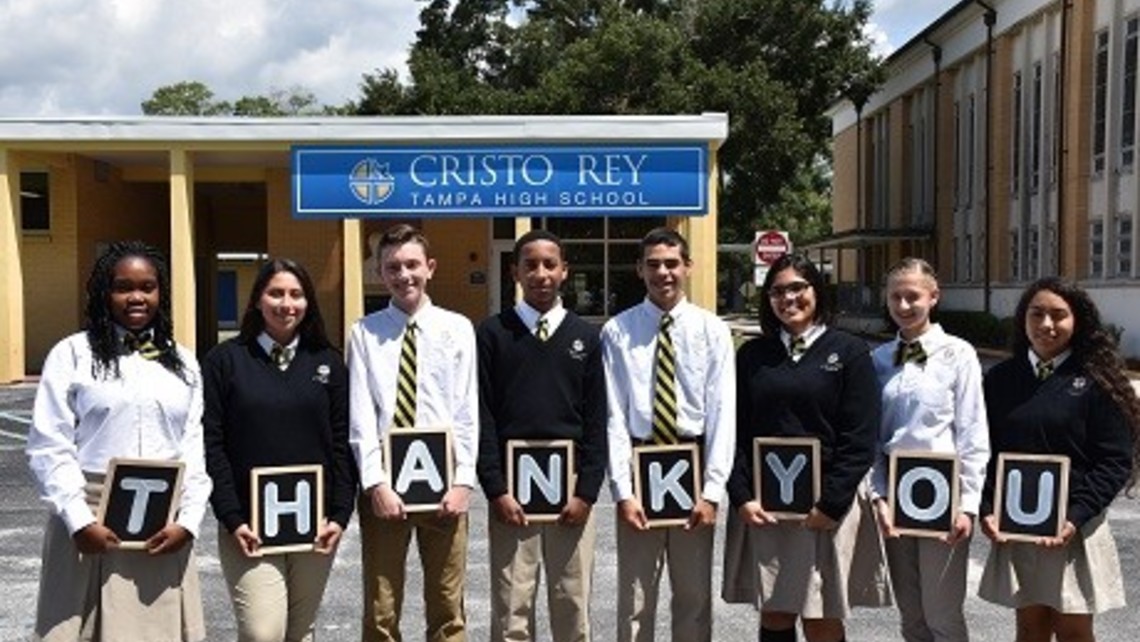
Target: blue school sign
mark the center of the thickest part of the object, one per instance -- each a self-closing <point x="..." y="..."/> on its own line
<point x="517" y="180"/>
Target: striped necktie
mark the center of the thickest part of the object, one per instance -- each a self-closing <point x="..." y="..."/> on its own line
<point x="1044" y="369"/>
<point x="143" y="343"/>
<point x="543" y="329"/>
<point x="797" y="346"/>
<point x="281" y="356"/>
<point x="665" y="386"/>
<point x="405" y="416"/>
<point x="910" y="351"/>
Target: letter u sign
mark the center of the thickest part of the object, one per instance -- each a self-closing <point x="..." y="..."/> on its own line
<point x="1032" y="492"/>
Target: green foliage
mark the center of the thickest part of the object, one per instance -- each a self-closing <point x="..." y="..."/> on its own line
<point x="193" y="98"/>
<point x="775" y="66"/>
<point x="979" y="328"/>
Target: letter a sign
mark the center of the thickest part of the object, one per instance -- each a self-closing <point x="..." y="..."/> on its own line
<point x="419" y="464"/>
<point x="286" y="506"/>
<point x="666" y="480"/>
<point x="140" y="497"/>
<point x="786" y="475"/>
<point x="540" y="476"/>
<point x="1031" y="495"/>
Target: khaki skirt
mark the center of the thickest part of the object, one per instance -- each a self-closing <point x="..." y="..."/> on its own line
<point x="1082" y="577"/>
<point x="787" y="568"/>
<point x="118" y="596"/>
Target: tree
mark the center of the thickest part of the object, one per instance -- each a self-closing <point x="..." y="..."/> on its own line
<point x="186" y="98"/>
<point x="775" y="66"/>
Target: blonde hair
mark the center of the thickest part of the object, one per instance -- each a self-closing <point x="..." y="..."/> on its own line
<point x="913" y="264"/>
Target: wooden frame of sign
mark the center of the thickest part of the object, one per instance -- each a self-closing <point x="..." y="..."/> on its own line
<point x="297" y="538"/>
<point x="645" y="456"/>
<point x="541" y="509"/>
<point x="420" y="497"/>
<point x="802" y="501"/>
<point x="118" y="506"/>
<point x="1011" y="528"/>
<point x="946" y="467"/>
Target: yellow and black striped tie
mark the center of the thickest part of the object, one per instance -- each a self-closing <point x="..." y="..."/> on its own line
<point x="543" y="329"/>
<point x="406" y="381"/>
<point x="665" y="386"/>
<point x="1044" y="370"/>
<point x="142" y="342"/>
<point x="910" y="351"/>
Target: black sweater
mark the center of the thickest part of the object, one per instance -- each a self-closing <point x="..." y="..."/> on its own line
<point x="258" y="415"/>
<point x="830" y="394"/>
<point x="532" y="389"/>
<point x="1066" y="414"/>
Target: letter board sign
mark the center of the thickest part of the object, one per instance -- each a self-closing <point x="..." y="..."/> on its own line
<point x="666" y="480"/>
<point x="786" y="475"/>
<point x="419" y="463"/>
<point x="287" y="505"/>
<point x="1032" y="494"/>
<point x="540" y="476"/>
<point x="140" y="497"/>
<point x="923" y="492"/>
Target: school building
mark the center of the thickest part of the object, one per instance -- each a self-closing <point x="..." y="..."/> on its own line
<point x="1002" y="148"/>
<point x="222" y="194"/>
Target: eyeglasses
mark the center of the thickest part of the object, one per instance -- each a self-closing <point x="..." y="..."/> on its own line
<point x="795" y="289"/>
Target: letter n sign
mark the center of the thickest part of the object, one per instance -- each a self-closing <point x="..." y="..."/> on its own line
<point x="140" y="497"/>
<point x="666" y="480"/>
<point x="287" y="505"/>
<point x="923" y="492"/>
<point x="540" y="476"/>
<point x="786" y="475"/>
<point x="419" y="465"/>
<point x="1032" y="493"/>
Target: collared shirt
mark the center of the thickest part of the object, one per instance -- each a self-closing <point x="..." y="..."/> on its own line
<point x="447" y="393"/>
<point x="1056" y="361"/>
<point x="266" y="342"/>
<point x="530" y="316"/>
<point x="706" y="388"/>
<point x="809" y="336"/>
<point x="937" y="406"/>
<point x="80" y="421"/>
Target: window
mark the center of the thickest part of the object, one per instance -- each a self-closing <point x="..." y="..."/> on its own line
<point x="1055" y="122"/>
<point x="1128" y="95"/>
<point x="1035" y="140"/>
<point x="1124" y="246"/>
<point x="1096" y="249"/>
<point x="1015" y="182"/>
<point x="969" y="275"/>
<point x="1100" y="102"/>
<point x="957" y="153"/>
<point x="971" y="143"/>
<point x="1032" y="253"/>
<point x="35" y="202"/>
<point x="957" y="261"/>
<point x="1015" y="255"/>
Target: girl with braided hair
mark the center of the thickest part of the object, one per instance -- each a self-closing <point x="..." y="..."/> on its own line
<point x="1063" y="391"/>
<point x="120" y="388"/>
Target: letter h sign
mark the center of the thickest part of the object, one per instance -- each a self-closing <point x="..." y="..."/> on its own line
<point x="786" y="475"/>
<point x="287" y="505"/>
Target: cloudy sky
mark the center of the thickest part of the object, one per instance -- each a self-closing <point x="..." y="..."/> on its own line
<point x="100" y="57"/>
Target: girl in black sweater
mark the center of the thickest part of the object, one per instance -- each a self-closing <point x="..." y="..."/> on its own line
<point x="277" y="395"/>
<point x="1064" y="391"/>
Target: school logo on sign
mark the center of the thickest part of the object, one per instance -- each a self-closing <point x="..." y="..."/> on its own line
<point x="371" y="181"/>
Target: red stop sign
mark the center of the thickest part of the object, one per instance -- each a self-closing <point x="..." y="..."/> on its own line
<point x="770" y="246"/>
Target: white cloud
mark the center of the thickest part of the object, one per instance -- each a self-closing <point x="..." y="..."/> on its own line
<point x="900" y="20"/>
<point x="880" y="41"/>
<point x="72" y="57"/>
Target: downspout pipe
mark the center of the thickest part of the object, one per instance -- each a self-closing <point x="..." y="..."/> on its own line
<point x="1060" y="150"/>
<point x="936" y="54"/>
<point x="990" y="19"/>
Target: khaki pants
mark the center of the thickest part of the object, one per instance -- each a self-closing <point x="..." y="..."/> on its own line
<point x="518" y="555"/>
<point x="442" y="545"/>
<point x="275" y="597"/>
<point x="929" y="579"/>
<point x="642" y="556"/>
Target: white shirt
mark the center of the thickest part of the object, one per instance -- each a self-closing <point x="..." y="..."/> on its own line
<point x="447" y="392"/>
<point x="266" y="342"/>
<point x="1056" y="361"/>
<point x="936" y="407"/>
<point x="809" y="336"/>
<point x="529" y="316"/>
<point x="706" y="389"/>
<point x="79" y="422"/>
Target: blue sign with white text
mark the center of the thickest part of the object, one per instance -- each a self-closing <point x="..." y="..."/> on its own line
<point x="519" y="180"/>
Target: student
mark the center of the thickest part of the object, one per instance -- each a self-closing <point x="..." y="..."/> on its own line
<point x="444" y="394"/>
<point x="120" y="388"/>
<point x="277" y="395"/>
<point x="804" y="379"/>
<point x="1064" y="392"/>
<point x="540" y="378"/>
<point x="702" y="412"/>
<point x="932" y="401"/>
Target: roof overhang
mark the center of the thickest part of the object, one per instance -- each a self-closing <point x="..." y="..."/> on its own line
<point x="864" y="238"/>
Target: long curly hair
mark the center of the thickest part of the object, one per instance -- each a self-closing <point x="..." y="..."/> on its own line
<point x="770" y="323"/>
<point x="100" y="325"/>
<point x="1093" y="347"/>
<point x="311" y="330"/>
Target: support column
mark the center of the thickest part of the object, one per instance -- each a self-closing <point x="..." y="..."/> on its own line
<point x="522" y="226"/>
<point x="353" y="276"/>
<point x="12" y="350"/>
<point x="183" y="285"/>
<point x="700" y="231"/>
